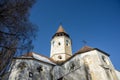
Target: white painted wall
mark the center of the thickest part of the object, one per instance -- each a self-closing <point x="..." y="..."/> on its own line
<point x="118" y="74"/>
<point x="30" y="66"/>
<point x="84" y="66"/>
<point x="63" y="50"/>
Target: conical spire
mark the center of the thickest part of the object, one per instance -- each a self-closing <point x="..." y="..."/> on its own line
<point x="60" y="29"/>
<point x="61" y="32"/>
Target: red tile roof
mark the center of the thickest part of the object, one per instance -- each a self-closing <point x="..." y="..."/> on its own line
<point x="60" y="29"/>
<point x="85" y="49"/>
<point x="81" y="51"/>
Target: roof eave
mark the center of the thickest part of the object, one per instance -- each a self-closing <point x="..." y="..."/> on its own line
<point x="33" y="59"/>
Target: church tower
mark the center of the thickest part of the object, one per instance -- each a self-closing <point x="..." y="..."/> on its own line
<point x="60" y="46"/>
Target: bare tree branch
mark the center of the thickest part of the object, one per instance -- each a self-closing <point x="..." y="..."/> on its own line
<point x="16" y="31"/>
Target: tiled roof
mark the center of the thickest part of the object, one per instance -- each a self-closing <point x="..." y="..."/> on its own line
<point x="33" y="55"/>
<point x="45" y="59"/>
<point x="60" y="29"/>
<point x="60" y="32"/>
<point x="30" y="54"/>
<point x="85" y="49"/>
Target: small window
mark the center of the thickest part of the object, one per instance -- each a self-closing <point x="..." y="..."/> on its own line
<point x="105" y="60"/>
<point x="0" y="53"/>
<point x="67" y="42"/>
<point x="72" y="65"/>
<point x="59" y="43"/>
<point x="59" y="57"/>
<point x="60" y="34"/>
<point x="30" y="74"/>
<point x="60" y="78"/>
<point x="53" y="43"/>
<point x="39" y="69"/>
<point x="22" y="65"/>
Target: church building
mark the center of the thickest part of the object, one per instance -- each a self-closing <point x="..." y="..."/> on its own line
<point x="86" y="64"/>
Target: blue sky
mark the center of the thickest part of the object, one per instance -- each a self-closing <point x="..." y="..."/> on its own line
<point x="96" y="21"/>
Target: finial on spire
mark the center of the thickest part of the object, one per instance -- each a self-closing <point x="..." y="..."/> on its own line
<point x="84" y="42"/>
<point x="60" y="23"/>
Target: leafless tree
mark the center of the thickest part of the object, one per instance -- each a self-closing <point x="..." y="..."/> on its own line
<point x="16" y="31"/>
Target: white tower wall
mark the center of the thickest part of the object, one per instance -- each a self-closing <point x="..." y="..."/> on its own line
<point x="61" y="48"/>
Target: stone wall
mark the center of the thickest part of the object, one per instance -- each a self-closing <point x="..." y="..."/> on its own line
<point x="85" y="66"/>
<point x="27" y="69"/>
<point x="71" y="70"/>
<point x="118" y="74"/>
<point x="92" y="65"/>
